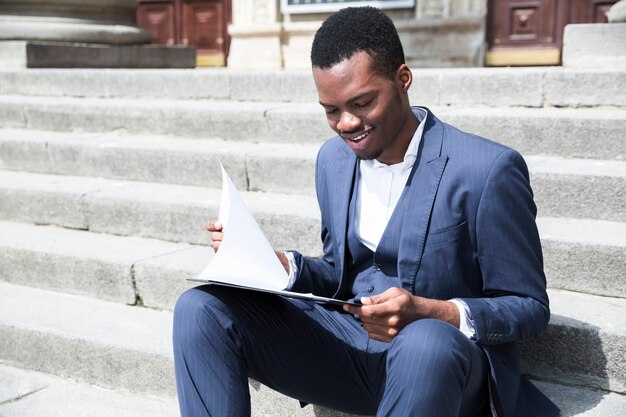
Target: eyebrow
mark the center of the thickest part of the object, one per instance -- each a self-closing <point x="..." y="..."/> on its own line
<point x="351" y="99"/>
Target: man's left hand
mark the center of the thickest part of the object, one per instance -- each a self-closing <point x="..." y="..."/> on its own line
<point x="386" y="314"/>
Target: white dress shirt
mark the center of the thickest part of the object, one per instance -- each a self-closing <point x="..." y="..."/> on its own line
<point x="377" y="194"/>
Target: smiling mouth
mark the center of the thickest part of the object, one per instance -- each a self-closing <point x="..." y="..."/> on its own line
<point x="358" y="137"/>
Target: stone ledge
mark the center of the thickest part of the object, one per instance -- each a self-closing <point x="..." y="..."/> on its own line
<point x="27" y="54"/>
<point x="525" y="87"/>
<point x="595" y="46"/>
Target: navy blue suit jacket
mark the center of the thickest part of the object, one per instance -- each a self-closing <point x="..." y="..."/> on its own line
<point x="468" y="231"/>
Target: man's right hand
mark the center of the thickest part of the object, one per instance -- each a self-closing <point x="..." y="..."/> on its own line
<point x="217" y="234"/>
<point x="215" y="227"/>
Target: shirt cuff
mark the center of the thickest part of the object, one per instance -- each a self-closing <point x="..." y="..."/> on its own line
<point x="293" y="269"/>
<point x="466" y="322"/>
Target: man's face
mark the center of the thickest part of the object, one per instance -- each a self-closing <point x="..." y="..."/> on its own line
<point x="368" y="110"/>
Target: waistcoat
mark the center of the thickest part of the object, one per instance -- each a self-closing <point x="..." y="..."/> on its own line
<point x="370" y="273"/>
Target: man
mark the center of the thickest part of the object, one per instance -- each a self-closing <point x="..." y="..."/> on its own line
<point x="431" y="228"/>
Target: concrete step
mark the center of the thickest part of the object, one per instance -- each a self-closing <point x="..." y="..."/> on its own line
<point x="129" y="348"/>
<point x="27" y="393"/>
<point x="579" y="188"/>
<point x="587" y="133"/>
<point x="527" y="87"/>
<point x="564" y="187"/>
<point x="580" y="254"/>
<point x="584" y="255"/>
<point x="583" y="402"/>
<point x="162" y="211"/>
<point x="92" y="264"/>
<point x="270" y="167"/>
<point x="104" y="344"/>
<point x="584" y="343"/>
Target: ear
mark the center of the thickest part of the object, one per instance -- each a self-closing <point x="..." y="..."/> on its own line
<point x="404" y="78"/>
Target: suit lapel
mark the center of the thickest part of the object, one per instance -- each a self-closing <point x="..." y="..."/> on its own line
<point x="340" y="203"/>
<point x="422" y="187"/>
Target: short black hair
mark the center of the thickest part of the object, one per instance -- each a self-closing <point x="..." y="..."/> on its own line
<point x="358" y="29"/>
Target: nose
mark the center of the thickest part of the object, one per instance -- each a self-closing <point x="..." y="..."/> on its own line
<point x="348" y="122"/>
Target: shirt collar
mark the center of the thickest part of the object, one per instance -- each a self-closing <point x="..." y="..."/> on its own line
<point x="410" y="155"/>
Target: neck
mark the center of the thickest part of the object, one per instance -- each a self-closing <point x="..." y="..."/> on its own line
<point x="405" y="135"/>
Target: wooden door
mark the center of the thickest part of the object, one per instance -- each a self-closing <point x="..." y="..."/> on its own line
<point x="530" y="32"/>
<point x="200" y="23"/>
<point x="205" y="25"/>
<point x="159" y="18"/>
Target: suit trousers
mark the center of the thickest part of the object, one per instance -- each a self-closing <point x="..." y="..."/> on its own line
<point x="318" y="354"/>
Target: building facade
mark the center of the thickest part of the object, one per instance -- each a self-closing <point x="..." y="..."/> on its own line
<point x="273" y="34"/>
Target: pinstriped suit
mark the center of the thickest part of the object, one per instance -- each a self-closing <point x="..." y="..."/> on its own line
<point x="465" y="227"/>
<point x="468" y="231"/>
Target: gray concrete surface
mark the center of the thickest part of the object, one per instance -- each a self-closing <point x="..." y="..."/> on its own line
<point x="584" y="343"/>
<point x="579" y="188"/>
<point x="103" y="343"/>
<point x="594" y="46"/>
<point x="162" y="211"/>
<point x="580" y="254"/>
<point x="137" y="158"/>
<point x="575" y="87"/>
<point x="575" y="155"/>
<point x="78" y="262"/>
<point x="580" y="402"/>
<point x="37" y="54"/>
<point x="564" y="132"/>
<point x="524" y="87"/>
<point x="584" y="255"/>
<point x="35" y="394"/>
<point x="563" y="186"/>
<point x="110" y="345"/>
<point x="574" y="133"/>
<point x="161" y="280"/>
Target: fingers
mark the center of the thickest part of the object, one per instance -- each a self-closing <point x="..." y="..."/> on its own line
<point x="379" y="305"/>
<point x="213" y="226"/>
<point x="384" y="315"/>
<point x="380" y="332"/>
<point x="217" y="235"/>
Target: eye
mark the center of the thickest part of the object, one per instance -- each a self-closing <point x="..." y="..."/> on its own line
<point x="330" y="110"/>
<point x="362" y="104"/>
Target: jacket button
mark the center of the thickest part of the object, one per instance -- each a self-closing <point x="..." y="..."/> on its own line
<point x="370" y="289"/>
<point x="378" y="267"/>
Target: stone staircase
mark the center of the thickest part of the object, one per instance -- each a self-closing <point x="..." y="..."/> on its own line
<point x="108" y="176"/>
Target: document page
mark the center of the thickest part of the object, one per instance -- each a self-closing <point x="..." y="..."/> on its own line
<point x="245" y="259"/>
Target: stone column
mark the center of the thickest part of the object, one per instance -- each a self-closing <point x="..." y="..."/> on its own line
<point x="617" y="13"/>
<point x="79" y="33"/>
<point x="445" y="33"/>
<point x="89" y="21"/>
<point x="256" y="35"/>
<point x="597" y="45"/>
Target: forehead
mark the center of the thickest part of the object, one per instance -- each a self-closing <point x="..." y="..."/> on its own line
<point x="347" y="78"/>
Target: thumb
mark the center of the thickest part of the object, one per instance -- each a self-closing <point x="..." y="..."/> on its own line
<point x="375" y="299"/>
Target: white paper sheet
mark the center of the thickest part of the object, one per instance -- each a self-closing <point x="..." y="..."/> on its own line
<point x="245" y="257"/>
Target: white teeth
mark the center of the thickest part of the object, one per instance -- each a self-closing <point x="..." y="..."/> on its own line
<point x="360" y="136"/>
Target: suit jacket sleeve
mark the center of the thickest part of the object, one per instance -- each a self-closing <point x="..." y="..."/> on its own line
<point x="319" y="275"/>
<point x="515" y="303"/>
